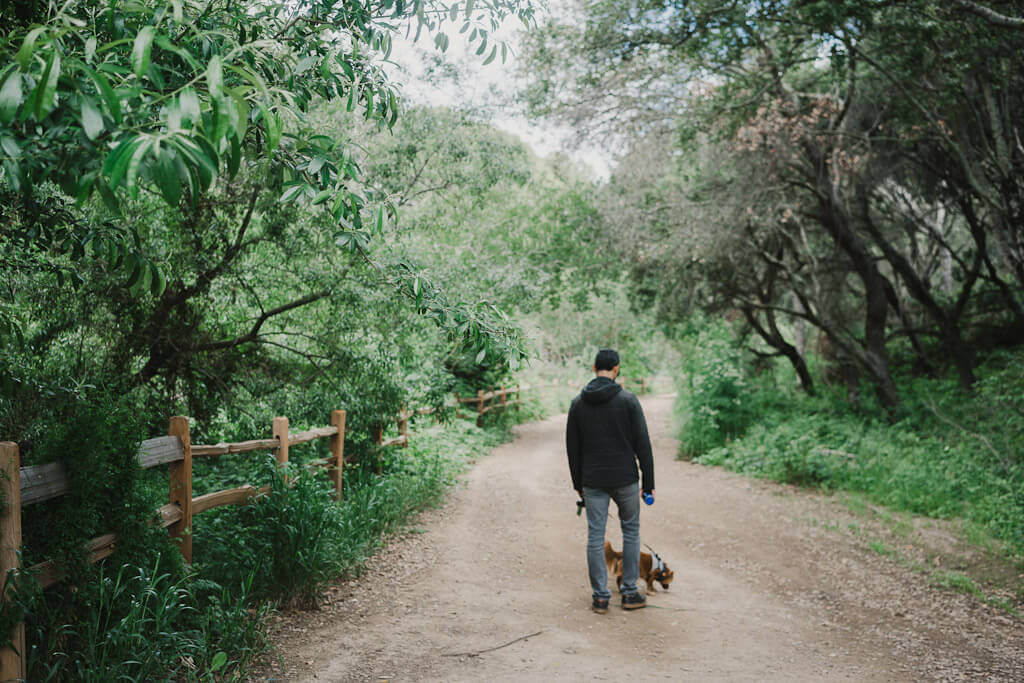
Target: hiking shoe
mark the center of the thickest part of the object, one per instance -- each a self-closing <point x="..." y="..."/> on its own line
<point x="600" y="605"/>
<point x="633" y="601"/>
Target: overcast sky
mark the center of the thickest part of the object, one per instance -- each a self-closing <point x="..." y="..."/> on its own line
<point x="488" y="89"/>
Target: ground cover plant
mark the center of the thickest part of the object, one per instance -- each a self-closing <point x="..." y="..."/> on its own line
<point x="948" y="454"/>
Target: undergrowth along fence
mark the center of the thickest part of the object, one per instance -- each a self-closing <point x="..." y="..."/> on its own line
<point x="23" y="486"/>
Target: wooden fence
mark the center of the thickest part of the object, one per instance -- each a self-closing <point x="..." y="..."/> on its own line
<point x="22" y="486"/>
<point x="497" y="398"/>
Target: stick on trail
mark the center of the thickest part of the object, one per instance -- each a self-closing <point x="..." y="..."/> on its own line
<point x="477" y="653"/>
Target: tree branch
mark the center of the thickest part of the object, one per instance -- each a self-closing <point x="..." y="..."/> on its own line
<point x="990" y="15"/>
<point x="253" y="333"/>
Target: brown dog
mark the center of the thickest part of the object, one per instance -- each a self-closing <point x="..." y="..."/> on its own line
<point x="650" y="571"/>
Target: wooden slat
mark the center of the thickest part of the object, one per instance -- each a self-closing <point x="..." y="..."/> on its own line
<point x="199" y="451"/>
<point x="395" y="441"/>
<point x="49" y="572"/>
<point x="43" y="482"/>
<point x="238" y="496"/>
<point x="303" y="437"/>
<point x="328" y="462"/>
<point x="161" y="450"/>
<point x="169" y="514"/>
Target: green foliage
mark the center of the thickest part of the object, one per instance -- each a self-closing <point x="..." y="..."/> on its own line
<point x="284" y="540"/>
<point x="952" y="455"/>
<point x="158" y="97"/>
<point x="133" y="623"/>
<point x="97" y="442"/>
<point x="716" y="401"/>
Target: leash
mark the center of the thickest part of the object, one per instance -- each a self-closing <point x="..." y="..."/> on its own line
<point x="661" y="563"/>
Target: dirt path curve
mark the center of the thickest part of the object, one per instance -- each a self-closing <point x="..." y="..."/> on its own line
<point x="770" y="585"/>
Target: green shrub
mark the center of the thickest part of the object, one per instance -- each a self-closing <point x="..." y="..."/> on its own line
<point x="282" y="543"/>
<point x="715" y="400"/>
<point x="132" y="623"/>
<point x="952" y="454"/>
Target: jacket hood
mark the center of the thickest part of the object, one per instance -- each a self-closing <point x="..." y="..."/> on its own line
<point x="600" y="390"/>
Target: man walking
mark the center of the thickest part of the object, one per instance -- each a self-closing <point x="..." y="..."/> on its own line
<point x="605" y="437"/>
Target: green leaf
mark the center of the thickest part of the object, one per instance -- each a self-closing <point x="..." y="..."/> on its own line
<point x="11" y="97"/>
<point x="480" y="356"/>
<point x="90" y="49"/>
<point x="10" y="147"/>
<point x="218" y="661"/>
<point x="131" y="178"/>
<point x="110" y="98"/>
<point x="215" y="75"/>
<point x="108" y="196"/>
<point x="234" y="156"/>
<point x="116" y="163"/>
<point x="292" y="192"/>
<point x="165" y="174"/>
<point x="25" y="53"/>
<point x="135" y="275"/>
<point x="12" y="173"/>
<point x="92" y="120"/>
<point x="273" y="127"/>
<point x="188" y="102"/>
<point x="323" y="196"/>
<point x="159" y="283"/>
<point x="490" y="57"/>
<point x="141" y="49"/>
<point x="47" y="88"/>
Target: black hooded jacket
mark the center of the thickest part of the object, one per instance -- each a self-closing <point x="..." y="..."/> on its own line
<point x="606" y="436"/>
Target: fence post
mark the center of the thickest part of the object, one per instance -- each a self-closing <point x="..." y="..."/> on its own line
<point x="378" y="438"/>
<point x="279" y="428"/>
<point x="403" y="426"/>
<point x="12" y="658"/>
<point x="480" y="408"/>
<point x="518" y="397"/>
<point x="181" y="487"/>
<point x="503" y="399"/>
<point x="643" y="385"/>
<point x="337" y="447"/>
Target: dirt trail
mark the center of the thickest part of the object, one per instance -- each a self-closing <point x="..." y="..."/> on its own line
<point x="771" y="584"/>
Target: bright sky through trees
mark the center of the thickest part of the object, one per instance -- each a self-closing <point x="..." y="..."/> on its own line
<point x="458" y="78"/>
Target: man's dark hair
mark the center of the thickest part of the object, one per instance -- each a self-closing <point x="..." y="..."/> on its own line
<point x="606" y="359"/>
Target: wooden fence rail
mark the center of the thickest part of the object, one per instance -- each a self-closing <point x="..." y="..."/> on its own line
<point x="22" y="486"/>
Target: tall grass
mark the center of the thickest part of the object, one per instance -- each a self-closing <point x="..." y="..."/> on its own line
<point x="136" y="624"/>
<point x="950" y="454"/>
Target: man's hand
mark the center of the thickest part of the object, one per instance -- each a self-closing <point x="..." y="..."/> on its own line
<point x="579" y="492"/>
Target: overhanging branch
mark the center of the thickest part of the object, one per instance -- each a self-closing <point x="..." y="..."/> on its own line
<point x="253" y="333"/>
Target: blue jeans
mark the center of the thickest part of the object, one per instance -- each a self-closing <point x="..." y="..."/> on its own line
<point x="628" y="500"/>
